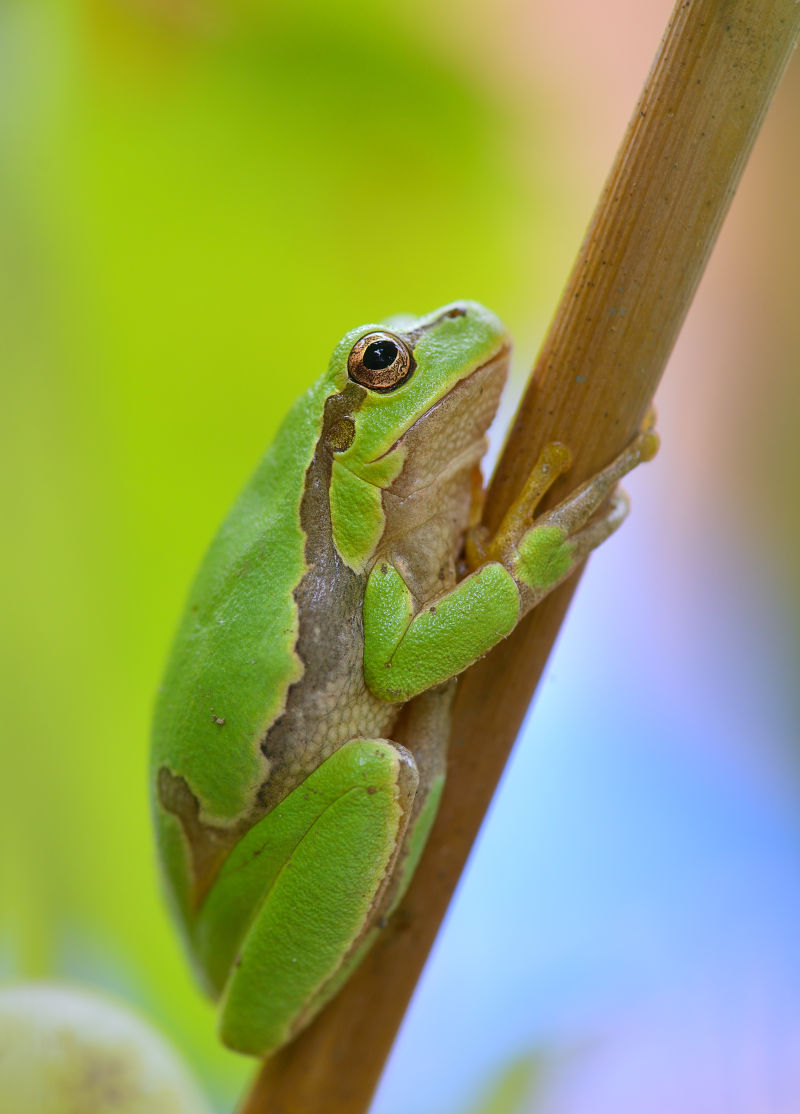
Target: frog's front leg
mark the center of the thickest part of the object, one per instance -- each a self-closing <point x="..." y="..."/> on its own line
<point x="409" y="648"/>
<point x="288" y="913"/>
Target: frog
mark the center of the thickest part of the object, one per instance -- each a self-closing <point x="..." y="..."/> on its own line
<point x="301" y="730"/>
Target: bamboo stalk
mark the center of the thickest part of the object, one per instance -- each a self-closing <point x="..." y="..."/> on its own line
<point x="703" y="103"/>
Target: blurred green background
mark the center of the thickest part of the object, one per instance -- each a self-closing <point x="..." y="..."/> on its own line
<point x="196" y="200"/>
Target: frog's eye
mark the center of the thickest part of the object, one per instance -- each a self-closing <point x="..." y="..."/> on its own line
<point x="380" y="361"/>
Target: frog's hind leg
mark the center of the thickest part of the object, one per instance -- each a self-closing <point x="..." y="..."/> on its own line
<point x="424" y="725"/>
<point x="293" y="900"/>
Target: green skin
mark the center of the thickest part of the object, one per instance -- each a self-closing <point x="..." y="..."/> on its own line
<point x="300" y="733"/>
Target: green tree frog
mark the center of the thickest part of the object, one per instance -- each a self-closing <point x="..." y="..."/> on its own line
<point x="300" y="733"/>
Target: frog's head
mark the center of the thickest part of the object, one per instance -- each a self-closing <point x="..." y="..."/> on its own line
<point x="416" y="398"/>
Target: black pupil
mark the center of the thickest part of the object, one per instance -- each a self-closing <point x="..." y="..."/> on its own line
<point x="380" y="354"/>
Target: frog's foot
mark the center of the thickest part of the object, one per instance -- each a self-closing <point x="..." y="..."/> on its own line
<point x="554" y="459"/>
<point x="563" y="537"/>
<point x="315" y="869"/>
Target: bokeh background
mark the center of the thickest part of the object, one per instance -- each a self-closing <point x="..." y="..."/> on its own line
<point x="196" y="199"/>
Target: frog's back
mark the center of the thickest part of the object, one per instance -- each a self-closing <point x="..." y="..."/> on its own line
<point x="234" y="659"/>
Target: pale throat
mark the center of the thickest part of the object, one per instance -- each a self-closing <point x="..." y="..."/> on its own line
<point x="424" y="531"/>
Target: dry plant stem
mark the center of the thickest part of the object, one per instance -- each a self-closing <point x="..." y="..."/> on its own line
<point x="715" y="74"/>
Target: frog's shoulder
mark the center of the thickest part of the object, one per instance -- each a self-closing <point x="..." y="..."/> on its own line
<point x="234" y="656"/>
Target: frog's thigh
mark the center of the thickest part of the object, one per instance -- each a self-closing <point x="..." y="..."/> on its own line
<point x="313" y="870"/>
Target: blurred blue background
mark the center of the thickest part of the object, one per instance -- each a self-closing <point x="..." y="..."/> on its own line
<point x="198" y="198"/>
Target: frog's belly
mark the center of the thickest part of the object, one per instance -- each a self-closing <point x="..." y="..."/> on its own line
<point x="322" y="713"/>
